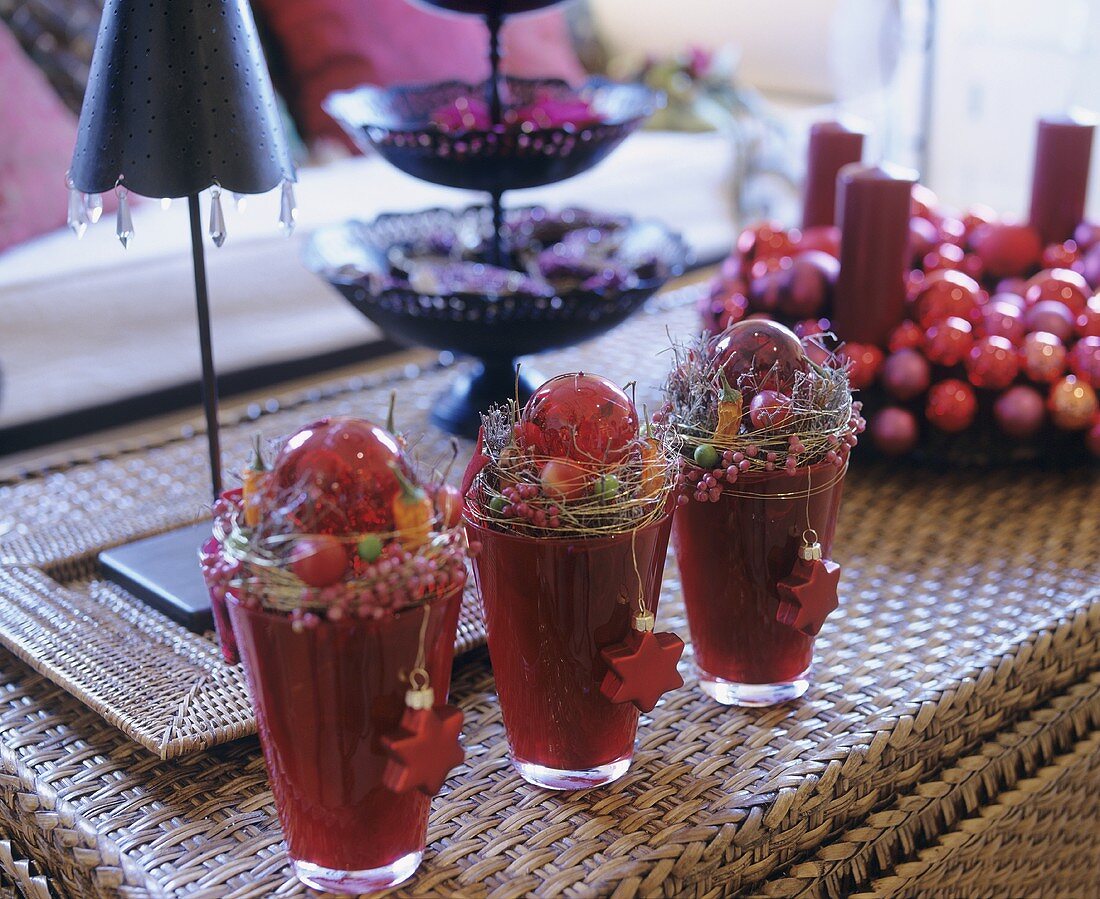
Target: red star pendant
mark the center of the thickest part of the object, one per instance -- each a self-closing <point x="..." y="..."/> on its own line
<point x="642" y="668"/>
<point x="424" y="751"/>
<point x="808" y="594"/>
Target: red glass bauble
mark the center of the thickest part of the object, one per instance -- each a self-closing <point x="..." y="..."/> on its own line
<point x="925" y="203"/>
<point x="757" y="354"/>
<point x="894" y="430"/>
<point x="1060" y="255"/>
<point x="319" y="560"/>
<point x="906" y="374"/>
<point x="906" y="336"/>
<point x="766" y="266"/>
<point x="948" y="341"/>
<point x="1019" y="411"/>
<point x="1072" y="403"/>
<point x="1050" y="316"/>
<point x="1088" y="322"/>
<point x="1084" y="360"/>
<point x="992" y="363"/>
<point x="1062" y="284"/>
<point x="581" y="417"/>
<point x="334" y="476"/>
<point x="973" y="266"/>
<point x="809" y="284"/>
<point x="923" y="237"/>
<point x="945" y="257"/>
<point x="766" y="289"/>
<point x="769" y="409"/>
<point x="1012" y="290"/>
<point x="1001" y="319"/>
<point x="943" y="294"/>
<point x="767" y="240"/>
<point x="864" y="363"/>
<point x="825" y="238"/>
<point x="951" y="406"/>
<point x="1085" y="235"/>
<point x="1007" y="250"/>
<point x="1043" y="357"/>
<point x="810" y="326"/>
<point x="978" y="215"/>
<point x="952" y="230"/>
<point x="914" y="279"/>
<point x="728" y="303"/>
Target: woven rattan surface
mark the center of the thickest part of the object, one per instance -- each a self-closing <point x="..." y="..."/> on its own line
<point x="955" y="674"/>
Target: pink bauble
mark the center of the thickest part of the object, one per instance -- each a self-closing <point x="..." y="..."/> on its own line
<point x="948" y="342"/>
<point x="1084" y="360"/>
<point x="951" y="406"/>
<point x="945" y="257"/>
<point x="1000" y="319"/>
<point x="864" y="362"/>
<point x="809" y="284"/>
<point x="769" y="410"/>
<point x="1088" y="322"/>
<point x="758" y="354"/>
<point x="906" y="374"/>
<point x="1019" y="411"/>
<point x="1062" y="284"/>
<point x="1043" y="357"/>
<point x="825" y="238"/>
<point x="923" y="237"/>
<point x="906" y="336"/>
<point x="992" y="363"/>
<point x="1072" y="403"/>
<point x="894" y="430"/>
<point x="1008" y="250"/>
<point x="944" y="294"/>
<point x="1050" y="316"/>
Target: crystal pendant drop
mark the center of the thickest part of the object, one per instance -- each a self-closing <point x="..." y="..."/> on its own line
<point x="78" y="217"/>
<point x="217" y="218"/>
<point x="241" y="200"/>
<point x="124" y="223"/>
<point x="94" y="204"/>
<point x="288" y="209"/>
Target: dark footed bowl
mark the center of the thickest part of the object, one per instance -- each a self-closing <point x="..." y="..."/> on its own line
<point x="396" y="121"/>
<point x="484" y="7"/>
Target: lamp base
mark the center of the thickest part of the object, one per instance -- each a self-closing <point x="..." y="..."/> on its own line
<point x="163" y="572"/>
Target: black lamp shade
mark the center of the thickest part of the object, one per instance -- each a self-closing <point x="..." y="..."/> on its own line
<point x="178" y="99"/>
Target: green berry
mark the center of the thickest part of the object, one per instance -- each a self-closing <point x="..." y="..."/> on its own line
<point x="497" y="504"/>
<point x="606" y="487"/>
<point x="706" y="456"/>
<point x="370" y="548"/>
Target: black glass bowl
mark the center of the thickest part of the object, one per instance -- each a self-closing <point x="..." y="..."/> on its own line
<point x="485" y="7"/>
<point x="397" y="122"/>
<point x="499" y="321"/>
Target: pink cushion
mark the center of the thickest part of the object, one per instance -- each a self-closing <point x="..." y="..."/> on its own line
<point x="37" y="134"/>
<point x="333" y="45"/>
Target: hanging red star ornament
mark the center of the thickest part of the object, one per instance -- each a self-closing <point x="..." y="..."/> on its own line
<point x="425" y="748"/>
<point x="642" y="668"/>
<point x="809" y="593"/>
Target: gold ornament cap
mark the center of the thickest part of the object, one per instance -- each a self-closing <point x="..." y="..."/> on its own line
<point x="810" y="550"/>
<point x="645" y="621"/>
<point x="420" y="698"/>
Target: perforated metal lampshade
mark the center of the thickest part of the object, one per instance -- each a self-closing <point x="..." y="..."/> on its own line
<point x="179" y="99"/>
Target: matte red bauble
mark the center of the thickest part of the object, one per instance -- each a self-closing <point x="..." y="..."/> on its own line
<point x="1060" y="255"/>
<point x="1007" y="250"/>
<point x="948" y="342"/>
<point x="864" y="363"/>
<point x="992" y="363"/>
<point x="1001" y="319"/>
<point x="906" y="374"/>
<point x="767" y="240"/>
<point x="952" y="405"/>
<point x="760" y="354"/>
<point x="809" y="284"/>
<point x="906" y="336"/>
<point x="1061" y="284"/>
<point x="1051" y="316"/>
<point x="334" y="476"/>
<point x="1020" y="411"/>
<point x="581" y="417"/>
<point x="894" y="430"/>
<point x="945" y="257"/>
<point x="319" y="560"/>
<point x="825" y="238"/>
<point x="1088" y="322"/>
<point x="1044" y="357"/>
<point x="944" y="294"/>
<point x="1084" y="360"/>
<point x="1073" y="404"/>
<point x="923" y="237"/>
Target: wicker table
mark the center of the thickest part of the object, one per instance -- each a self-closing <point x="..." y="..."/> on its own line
<point x="950" y="742"/>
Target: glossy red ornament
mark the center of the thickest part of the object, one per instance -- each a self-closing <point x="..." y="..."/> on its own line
<point x="1002" y="319"/>
<point x="825" y="238"/>
<point x="1007" y="250"/>
<point x="811" y="326"/>
<point x="923" y="237"/>
<point x="334" y="476"/>
<point x="769" y="409"/>
<point x="1084" y="360"/>
<point x="906" y="336"/>
<point x="906" y="374"/>
<point x="925" y="203"/>
<point x="973" y="266"/>
<point x="581" y="417"/>
<point x="767" y="240"/>
<point x="952" y="230"/>
<point x="1050" y="316"/>
<point x="319" y="560"/>
<point x="808" y="594"/>
<point x="1072" y="403"/>
<point x="952" y="405"/>
<point x="1061" y="284"/>
<point x="809" y="284"/>
<point x="765" y="353"/>
<point x="945" y="257"/>
<point x="864" y="363"/>
<point x="424" y="751"/>
<point x="948" y="342"/>
<point x="1044" y="357"/>
<point x="894" y="431"/>
<point x="1020" y="411"/>
<point x="766" y="289"/>
<point x="1088" y="322"/>
<point x="642" y="668"/>
<point x="1060" y="255"/>
<point x="944" y="294"/>
<point x="992" y="363"/>
<point x="977" y="215"/>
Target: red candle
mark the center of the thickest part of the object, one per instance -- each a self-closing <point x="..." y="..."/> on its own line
<point x="873" y="215"/>
<point x="832" y="146"/>
<point x="1059" y="181"/>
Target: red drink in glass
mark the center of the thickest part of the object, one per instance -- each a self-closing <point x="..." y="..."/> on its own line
<point x="731" y="553"/>
<point x="551" y="605"/>
<point x="324" y="697"/>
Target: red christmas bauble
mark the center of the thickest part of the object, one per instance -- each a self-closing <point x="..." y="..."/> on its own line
<point x="1060" y="255"/>
<point x="756" y="354"/>
<point x="944" y="294"/>
<point x="906" y="336"/>
<point x="766" y="290"/>
<point x="1073" y="404"/>
<point x="1061" y="284"/>
<point x="972" y="265"/>
<point x="894" y="430"/>
<point x="923" y="237"/>
<point x="319" y="560"/>
<point x="1051" y="316"/>
<point x="948" y="342"/>
<point x="945" y="257"/>
<point x="769" y="409"/>
<point x="1013" y="290"/>
<point x="1084" y="360"/>
<point x="952" y="230"/>
<point x="864" y="363"/>
<point x="992" y="363"/>
<point x="952" y="405"/>
<point x="821" y="237"/>
<point x="977" y="215"/>
<point x="1020" y="411"/>
<point x="924" y="203"/>
<point x="334" y="476"/>
<point x="768" y="240"/>
<point x="906" y="374"/>
<point x="1043" y="357"/>
<point x="1088" y="322"/>
<point x="581" y="417"/>
<point x="1007" y="250"/>
<point x="1003" y="319"/>
<point x="809" y="286"/>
